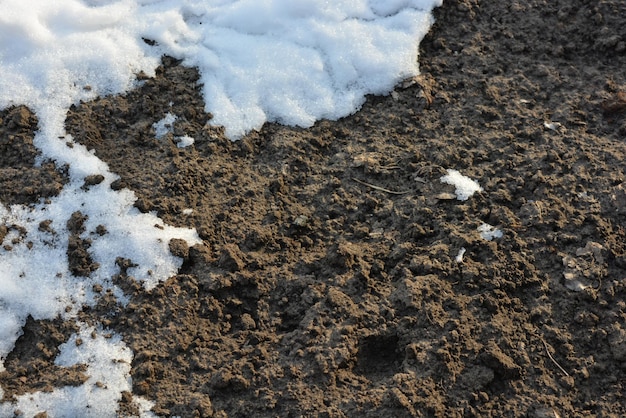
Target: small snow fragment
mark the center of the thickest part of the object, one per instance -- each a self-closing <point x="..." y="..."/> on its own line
<point x="459" y="256"/>
<point x="164" y="126"/>
<point x="465" y="187"/>
<point x="572" y="284"/>
<point x="184" y="141"/>
<point x="553" y="126"/>
<point x="488" y="232"/>
<point x="301" y="221"/>
<point x="187" y="211"/>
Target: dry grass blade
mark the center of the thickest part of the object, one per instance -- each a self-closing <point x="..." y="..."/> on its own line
<point x="382" y="189"/>
<point x="552" y="358"/>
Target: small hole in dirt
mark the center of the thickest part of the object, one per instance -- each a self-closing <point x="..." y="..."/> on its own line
<point x="379" y="356"/>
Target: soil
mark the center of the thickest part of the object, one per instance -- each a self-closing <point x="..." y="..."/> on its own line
<point x="330" y="281"/>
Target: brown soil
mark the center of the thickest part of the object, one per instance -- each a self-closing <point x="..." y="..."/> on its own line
<point x="327" y="284"/>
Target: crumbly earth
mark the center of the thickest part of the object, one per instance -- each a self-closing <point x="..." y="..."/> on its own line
<point x="330" y="281"/>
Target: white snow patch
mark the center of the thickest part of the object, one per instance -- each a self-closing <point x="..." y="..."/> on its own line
<point x="184" y="141"/>
<point x="459" y="256"/>
<point x="108" y="369"/>
<point x="164" y="126"/>
<point x="489" y="232"/>
<point x="465" y="187"/>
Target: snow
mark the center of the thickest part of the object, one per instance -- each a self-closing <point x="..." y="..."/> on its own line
<point x="489" y="232"/>
<point x="292" y="62"/>
<point x="460" y="255"/>
<point x="184" y="141"/>
<point x="108" y="368"/>
<point x="164" y="126"/>
<point x="464" y="186"/>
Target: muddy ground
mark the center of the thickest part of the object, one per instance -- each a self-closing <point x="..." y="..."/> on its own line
<point x="329" y="283"/>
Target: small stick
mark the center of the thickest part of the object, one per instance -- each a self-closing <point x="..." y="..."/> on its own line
<point x="382" y="189"/>
<point x="552" y="358"/>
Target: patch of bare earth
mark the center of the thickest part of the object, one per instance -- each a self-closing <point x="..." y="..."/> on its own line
<point x="328" y="283"/>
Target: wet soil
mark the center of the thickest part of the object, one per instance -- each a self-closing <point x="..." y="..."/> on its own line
<point x="330" y="282"/>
